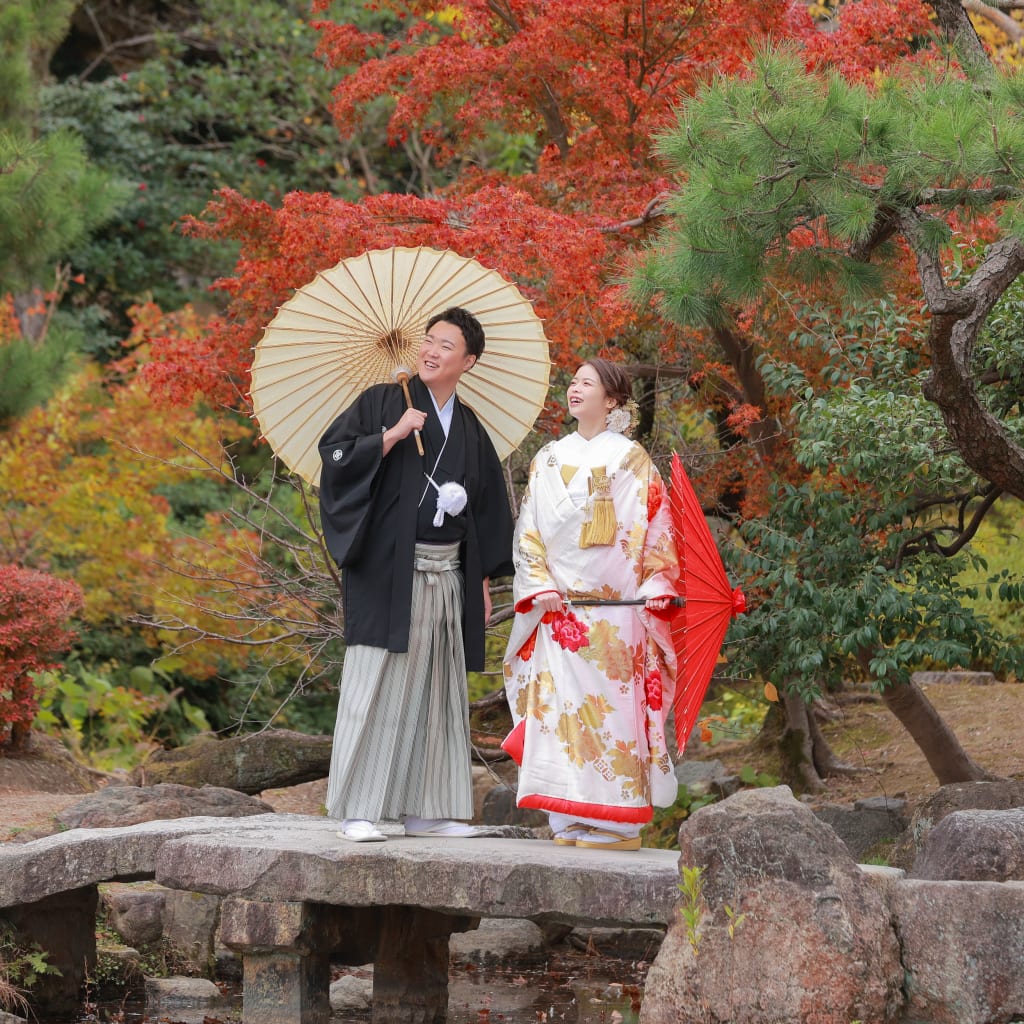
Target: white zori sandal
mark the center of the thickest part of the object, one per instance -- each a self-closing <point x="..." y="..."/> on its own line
<point x="355" y="830"/>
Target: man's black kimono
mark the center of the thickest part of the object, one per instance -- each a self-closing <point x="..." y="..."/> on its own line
<point x="371" y="511"/>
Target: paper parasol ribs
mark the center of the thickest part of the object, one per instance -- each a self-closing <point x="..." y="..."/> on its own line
<point x="354" y="325"/>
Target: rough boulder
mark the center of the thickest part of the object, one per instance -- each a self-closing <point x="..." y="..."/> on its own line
<point x="785" y="915"/>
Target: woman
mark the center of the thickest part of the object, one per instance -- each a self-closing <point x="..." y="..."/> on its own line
<point x="589" y="685"/>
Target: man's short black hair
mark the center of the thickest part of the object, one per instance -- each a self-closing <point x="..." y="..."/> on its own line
<point x="467" y="323"/>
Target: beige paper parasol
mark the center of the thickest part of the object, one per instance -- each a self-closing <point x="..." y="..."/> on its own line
<point x="355" y="324"/>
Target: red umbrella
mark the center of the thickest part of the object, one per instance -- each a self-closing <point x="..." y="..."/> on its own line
<point x="699" y="628"/>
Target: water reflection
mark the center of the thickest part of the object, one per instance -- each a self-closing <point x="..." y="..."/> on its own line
<point x="575" y="989"/>
<point x="570" y="988"/>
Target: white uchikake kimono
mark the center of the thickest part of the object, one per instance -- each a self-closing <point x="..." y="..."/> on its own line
<point x="589" y="691"/>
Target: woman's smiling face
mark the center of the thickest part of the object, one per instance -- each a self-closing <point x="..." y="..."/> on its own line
<point x="587" y="398"/>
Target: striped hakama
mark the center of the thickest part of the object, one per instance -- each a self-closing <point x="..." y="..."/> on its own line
<point x="401" y="741"/>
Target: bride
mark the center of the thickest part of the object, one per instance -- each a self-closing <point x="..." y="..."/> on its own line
<point x="589" y="686"/>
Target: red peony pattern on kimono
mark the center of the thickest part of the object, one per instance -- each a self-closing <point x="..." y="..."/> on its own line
<point x="568" y="631"/>
<point x="652" y="689"/>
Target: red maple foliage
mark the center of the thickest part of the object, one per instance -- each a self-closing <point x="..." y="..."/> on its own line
<point x="593" y="84"/>
<point x="34" y="611"/>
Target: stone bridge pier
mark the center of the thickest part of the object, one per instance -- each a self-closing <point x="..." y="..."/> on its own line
<point x="287" y="950"/>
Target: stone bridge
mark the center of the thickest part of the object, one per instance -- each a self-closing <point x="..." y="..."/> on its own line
<point x="296" y="898"/>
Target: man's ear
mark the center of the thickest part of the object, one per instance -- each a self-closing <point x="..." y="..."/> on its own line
<point x="469" y="365"/>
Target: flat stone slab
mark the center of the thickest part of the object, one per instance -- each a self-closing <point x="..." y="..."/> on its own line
<point x="84" y="856"/>
<point x="293" y="858"/>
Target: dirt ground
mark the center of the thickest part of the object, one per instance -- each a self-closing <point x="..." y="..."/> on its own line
<point x="987" y="719"/>
<point x="887" y="762"/>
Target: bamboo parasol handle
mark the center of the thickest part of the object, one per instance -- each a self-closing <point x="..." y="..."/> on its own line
<point x="402" y="376"/>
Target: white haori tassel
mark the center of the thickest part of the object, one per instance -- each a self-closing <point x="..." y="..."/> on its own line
<point x="451" y="498"/>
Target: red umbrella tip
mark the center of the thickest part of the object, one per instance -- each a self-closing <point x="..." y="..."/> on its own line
<point x="739" y="602"/>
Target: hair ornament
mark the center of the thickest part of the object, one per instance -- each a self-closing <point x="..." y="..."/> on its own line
<point x="623" y="418"/>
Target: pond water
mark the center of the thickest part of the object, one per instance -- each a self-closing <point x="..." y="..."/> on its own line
<point x="569" y="988"/>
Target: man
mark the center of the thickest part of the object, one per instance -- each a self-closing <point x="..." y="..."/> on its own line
<point x="418" y="538"/>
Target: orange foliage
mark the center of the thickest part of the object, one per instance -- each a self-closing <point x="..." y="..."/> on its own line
<point x="9" y="329"/>
<point x="81" y="479"/>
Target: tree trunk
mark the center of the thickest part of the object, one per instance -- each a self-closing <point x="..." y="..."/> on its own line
<point x="796" y="743"/>
<point x="942" y="750"/>
<point x="961" y="35"/>
<point x="18" y="739"/>
<point x="808" y="759"/>
<point x="981" y="439"/>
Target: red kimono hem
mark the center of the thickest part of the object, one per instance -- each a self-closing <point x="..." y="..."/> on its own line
<point x="514" y="741"/>
<point x="573" y="808"/>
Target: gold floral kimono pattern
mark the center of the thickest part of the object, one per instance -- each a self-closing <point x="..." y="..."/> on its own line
<point x="589" y="689"/>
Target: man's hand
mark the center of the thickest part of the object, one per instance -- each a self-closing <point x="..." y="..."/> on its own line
<point x="412" y="419"/>
<point x="487" y="600"/>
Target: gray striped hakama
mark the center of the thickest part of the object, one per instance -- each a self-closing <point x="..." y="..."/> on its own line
<point x="401" y="741"/>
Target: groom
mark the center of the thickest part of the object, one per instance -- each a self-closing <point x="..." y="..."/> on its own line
<point x="415" y="588"/>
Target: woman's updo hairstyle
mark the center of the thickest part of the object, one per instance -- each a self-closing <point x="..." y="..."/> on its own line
<point x="614" y="379"/>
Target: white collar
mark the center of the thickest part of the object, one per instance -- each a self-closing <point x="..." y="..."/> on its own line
<point x="444" y="414"/>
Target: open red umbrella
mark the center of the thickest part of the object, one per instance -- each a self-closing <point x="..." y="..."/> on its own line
<point x="699" y="627"/>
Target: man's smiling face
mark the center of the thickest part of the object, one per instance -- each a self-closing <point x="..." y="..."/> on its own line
<point x="443" y="358"/>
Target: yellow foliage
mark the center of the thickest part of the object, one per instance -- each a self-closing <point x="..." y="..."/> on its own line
<point x="79" y="478"/>
<point x="1000" y="47"/>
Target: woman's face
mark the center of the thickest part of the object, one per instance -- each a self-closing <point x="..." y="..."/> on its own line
<point x="587" y="398"/>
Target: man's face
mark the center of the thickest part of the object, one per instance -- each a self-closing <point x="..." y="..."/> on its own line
<point x="443" y="357"/>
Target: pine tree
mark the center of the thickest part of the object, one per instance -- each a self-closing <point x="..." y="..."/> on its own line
<point x="50" y="198"/>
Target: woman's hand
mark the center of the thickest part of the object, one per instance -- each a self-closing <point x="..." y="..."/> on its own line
<point x="658" y="604"/>
<point x="549" y="602"/>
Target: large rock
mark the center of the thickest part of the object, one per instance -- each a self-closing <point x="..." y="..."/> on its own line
<point x="117" y="806"/>
<point x="191" y="920"/>
<point x="974" y="846"/>
<point x="46" y="766"/>
<point x="958" y="796"/>
<point x="135" y="911"/>
<point x="790" y="929"/>
<point x="499" y="940"/>
<point x="865" y="824"/>
<point x="500" y="808"/>
<point x="963" y="947"/>
<point x="250" y="764"/>
<point x="184" y="1000"/>
<point x="352" y="992"/>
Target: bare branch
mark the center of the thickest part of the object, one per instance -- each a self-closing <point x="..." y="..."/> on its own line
<point x="1010" y="26"/>
<point x="963" y="533"/>
<point x="652" y="211"/>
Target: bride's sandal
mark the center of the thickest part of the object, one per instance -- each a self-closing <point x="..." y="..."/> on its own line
<point x="572" y="835"/>
<point x="614" y="841"/>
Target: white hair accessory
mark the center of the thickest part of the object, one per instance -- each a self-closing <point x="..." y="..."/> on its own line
<point x="451" y="498"/>
<point x="622" y="418"/>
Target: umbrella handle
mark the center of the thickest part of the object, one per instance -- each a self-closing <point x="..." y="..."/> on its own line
<point x="402" y="376"/>
<point x="675" y="602"/>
